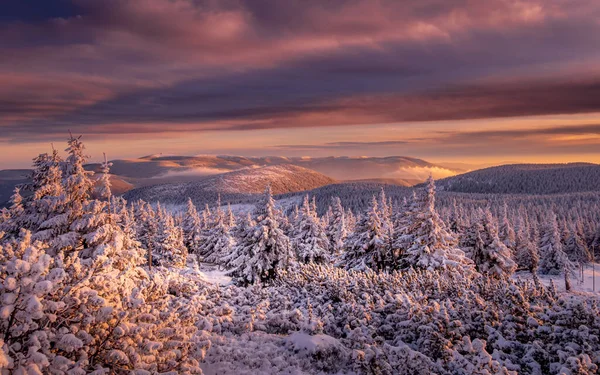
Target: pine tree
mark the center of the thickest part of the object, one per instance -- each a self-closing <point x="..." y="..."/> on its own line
<point x="575" y="248"/>
<point x="83" y="304"/>
<point x="367" y="246"/>
<point x="553" y="258"/>
<point x="310" y="240"/>
<point x="104" y="184"/>
<point x="471" y="241"/>
<point x="402" y="239"/>
<point x="217" y="241"/>
<point x="336" y="228"/>
<point x="432" y="246"/>
<point x="264" y="250"/>
<point x="527" y="256"/>
<point x="192" y="227"/>
<point x="168" y="248"/>
<point x="230" y="218"/>
<point x="506" y="231"/>
<point x="243" y="234"/>
<point x="491" y="256"/>
<point x="206" y="217"/>
<point x="595" y="248"/>
<point x="456" y="222"/>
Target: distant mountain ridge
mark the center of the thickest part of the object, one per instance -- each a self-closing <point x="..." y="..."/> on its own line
<point x="158" y="169"/>
<point x="338" y="167"/>
<point x="526" y="179"/>
<point x="233" y="186"/>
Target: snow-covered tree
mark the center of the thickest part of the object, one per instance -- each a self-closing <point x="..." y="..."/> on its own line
<point x="506" y="233"/>
<point x="432" y="246"/>
<point x="261" y="254"/>
<point x="456" y="222"/>
<point x="168" y="248"/>
<point x="490" y="255"/>
<point x="553" y="259"/>
<point x="336" y="228"/>
<point x="206" y="217"/>
<point x="74" y="299"/>
<point x="192" y="227"/>
<point x="367" y="246"/>
<point x="576" y="248"/>
<point x="310" y="240"/>
<point x="595" y="246"/>
<point x="104" y="184"/>
<point x="217" y="241"/>
<point x="526" y="252"/>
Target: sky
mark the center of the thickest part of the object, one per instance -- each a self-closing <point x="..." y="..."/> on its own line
<point x="444" y="80"/>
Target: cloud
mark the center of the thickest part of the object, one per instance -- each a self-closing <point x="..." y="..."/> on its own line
<point x="562" y="133"/>
<point x="193" y="172"/>
<point x="177" y="66"/>
<point x="342" y="144"/>
<point x="420" y="173"/>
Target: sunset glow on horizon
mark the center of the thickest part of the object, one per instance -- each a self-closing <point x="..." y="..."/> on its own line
<point x="446" y="81"/>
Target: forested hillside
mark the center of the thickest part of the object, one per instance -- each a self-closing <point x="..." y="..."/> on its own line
<point x="527" y="179"/>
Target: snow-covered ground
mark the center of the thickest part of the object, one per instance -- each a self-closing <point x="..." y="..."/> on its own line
<point x="214" y="274"/>
<point x="586" y="285"/>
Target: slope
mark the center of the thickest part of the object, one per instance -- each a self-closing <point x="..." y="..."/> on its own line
<point x="527" y="179"/>
<point x="234" y="186"/>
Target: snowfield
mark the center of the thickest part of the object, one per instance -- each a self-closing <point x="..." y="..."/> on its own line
<point x="586" y="285"/>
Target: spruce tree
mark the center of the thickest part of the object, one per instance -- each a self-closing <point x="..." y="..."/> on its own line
<point x="553" y="259"/>
<point x="192" y="227"/>
<point x="432" y="246"/>
<point x="491" y="256"/>
<point x="310" y="240"/>
<point x="217" y="241"/>
<point x="367" y="246"/>
<point x="336" y="228"/>
<point x="263" y="250"/>
<point x="506" y="232"/>
<point x="168" y="249"/>
<point x="526" y="253"/>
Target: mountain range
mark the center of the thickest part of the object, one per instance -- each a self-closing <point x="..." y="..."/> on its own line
<point x="172" y="179"/>
<point x="153" y="170"/>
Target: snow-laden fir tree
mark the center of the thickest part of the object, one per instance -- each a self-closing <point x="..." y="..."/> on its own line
<point x="350" y="221"/>
<point x="103" y="188"/>
<point x="168" y="248"/>
<point x="243" y="235"/>
<point x="75" y="300"/>
<point x="230" y="217"/>
<point x="217" y="241"/>
<point x="506" y="233"/>
<point x="456" y="222"/>
<point x="553" y="259"/>
<point x="336" y="228"/>
<point x="576" y="248"/>
<point x="310" y="240"/>
<point x="192" y="227"/>
<point x="46" y="197"/>
<point x="385" y="209"/>
<point x="470" y="240"/>
<point x="206" y="217"/>
<point x="367" y="246"/>
<point x="264" y="250"/>
<point x="490" y="255"/>
<point x="526" y="252"/>
<point x="432" y="246"/>
<point x="402" y="219"/>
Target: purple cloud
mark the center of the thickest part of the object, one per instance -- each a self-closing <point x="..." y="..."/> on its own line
<point x="178" y="66"/>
